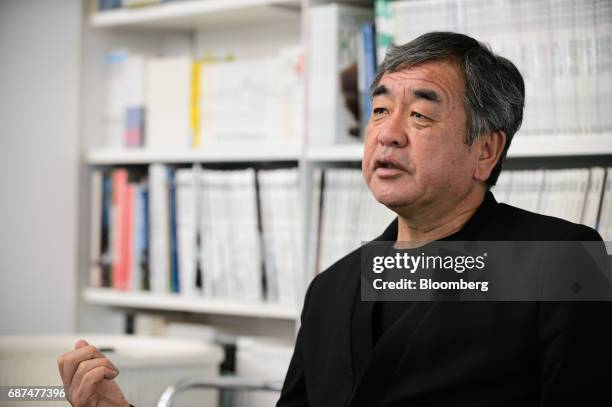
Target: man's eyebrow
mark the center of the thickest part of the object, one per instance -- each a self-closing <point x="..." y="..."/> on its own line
<point x="427" y="94"/>
<point x="380" y="90"/>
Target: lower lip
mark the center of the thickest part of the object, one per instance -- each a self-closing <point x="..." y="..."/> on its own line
<point x="384" y="172"/>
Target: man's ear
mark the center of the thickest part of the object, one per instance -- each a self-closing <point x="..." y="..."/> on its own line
<point x="490" y="147"/>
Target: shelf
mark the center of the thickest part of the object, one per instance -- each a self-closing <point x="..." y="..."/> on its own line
<point x="176" y="302"/>
<point x="560" y="146"/>
<point x="189" y="14"/>
<point x="521" y="147"/>
<point x="343" y="152"/>
<point x="221" y="154"/>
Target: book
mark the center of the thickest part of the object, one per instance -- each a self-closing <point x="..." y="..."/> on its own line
<point x="95" y="231"/>
<point x="168" y="103"/>
<point x="333" y="100"/>
<point x="282" y="232"/>
<point x="159" y="218"/>
<point x="559" y="50"/>
<point x="121" y="246"/>
<point x="186" y="230"/>
<point x="125" y="105"/>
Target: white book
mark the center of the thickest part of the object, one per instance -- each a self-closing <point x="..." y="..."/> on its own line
<point x="215" y="236"/>
<point x="125" y="89"/>
<point x="186" y="193"/>
<point x="95" y="231"/>
<point x="280" y="222"/>
<point x="159" y="248"/>
<point x="269" y="235"/>
<point x="244" y="109"/>
<point x="580" y="194"/>
<point x="168" y="102"/>
<point x="248" y="238"/>
<point x="115" y="96"/>
<point x="231" y="258"/>
<point x="315" y="225"/>
<point x="206" y="248"/>
<point x="525" y="192"/>
<point x="334" y="28"/>
<point x="593" y="197"/>
<point x="291" y="89"/>
<point x="502" y="187"/>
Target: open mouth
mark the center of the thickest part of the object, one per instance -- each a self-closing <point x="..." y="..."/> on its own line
<point x="387" y="163"/>
<point x="385" y="168"/>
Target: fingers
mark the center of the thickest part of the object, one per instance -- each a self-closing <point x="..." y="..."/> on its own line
<point x="87" y="366"/>
<point x="80" y="343"/>
<point x="89" y="383"/>
<point x="69" y="361"/>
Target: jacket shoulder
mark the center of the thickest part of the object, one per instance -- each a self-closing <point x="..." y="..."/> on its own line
<point x="512" y="223"/>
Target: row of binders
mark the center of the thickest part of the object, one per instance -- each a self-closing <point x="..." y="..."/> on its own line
<point x="236" y="234"/>
<point x="227" y="234"/>
<point x="348" y="215"/>
<point x="178" y="102"/>
<point x="582" y="195"/>
<point x="561" y="47"/>
<point x="345" y="214"/>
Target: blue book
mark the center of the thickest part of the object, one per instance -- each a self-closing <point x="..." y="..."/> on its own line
<point x="105" y="247"/>
<point x="144" y="239"/>
<point x="108" y="4"/>
<point x="369" y="48"/>
<point x="174" y="266"/>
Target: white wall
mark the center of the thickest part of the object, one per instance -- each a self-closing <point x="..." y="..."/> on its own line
<point x="39" y="76"/>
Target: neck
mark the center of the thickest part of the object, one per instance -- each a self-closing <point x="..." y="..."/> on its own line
<point x="436" y="222"/>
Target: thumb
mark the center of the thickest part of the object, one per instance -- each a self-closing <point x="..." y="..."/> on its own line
<point x="80" y="343"/>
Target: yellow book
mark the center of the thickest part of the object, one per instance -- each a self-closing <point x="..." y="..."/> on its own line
<point x="195" y="103"/>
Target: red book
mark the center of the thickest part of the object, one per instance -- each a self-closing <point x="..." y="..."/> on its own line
<point x="120" y="228"/>
<point x="126" y="278"/>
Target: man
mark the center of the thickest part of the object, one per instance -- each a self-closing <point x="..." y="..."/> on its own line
<point x="444" y="112"/>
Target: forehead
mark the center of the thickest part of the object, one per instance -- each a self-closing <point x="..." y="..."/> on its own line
<point x="442" y="76"/>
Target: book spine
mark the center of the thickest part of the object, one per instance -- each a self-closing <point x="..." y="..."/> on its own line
<point x="174" y="262"/>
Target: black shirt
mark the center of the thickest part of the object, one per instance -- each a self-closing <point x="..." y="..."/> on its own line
<point x="385" y="313"/>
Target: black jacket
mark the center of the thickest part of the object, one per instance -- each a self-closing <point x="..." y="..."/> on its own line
<point x="453" y="353"/>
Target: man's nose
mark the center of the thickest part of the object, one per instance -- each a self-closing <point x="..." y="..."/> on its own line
<point x="392" y="133"/>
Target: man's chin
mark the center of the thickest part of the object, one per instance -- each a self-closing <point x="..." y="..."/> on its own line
<point x="392" y="201"/>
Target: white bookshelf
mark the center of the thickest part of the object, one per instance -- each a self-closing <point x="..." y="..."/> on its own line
<point x="243" y="28"/>
<point x="255" y="27"/>
<point x="344" y="152"/>
<point x="177" y="302"/>
<point x="238" y="153"/>
<point x="560" y="146"/>
<point x="190" y="14"/>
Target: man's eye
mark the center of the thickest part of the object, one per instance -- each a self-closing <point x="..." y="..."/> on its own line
<point x="379" y="110"/>
<point x="419" y="116"/>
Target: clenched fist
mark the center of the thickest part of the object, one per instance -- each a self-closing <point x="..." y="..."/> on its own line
<point x="88" y="378"/>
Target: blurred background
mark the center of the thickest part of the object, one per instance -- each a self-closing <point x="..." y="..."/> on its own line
<point x="174" y="173"/>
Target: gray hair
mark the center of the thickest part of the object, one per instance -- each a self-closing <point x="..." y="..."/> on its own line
<point x="494" y="88"/>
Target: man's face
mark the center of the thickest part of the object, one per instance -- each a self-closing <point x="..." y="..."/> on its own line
<point x="415" y="152"/>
